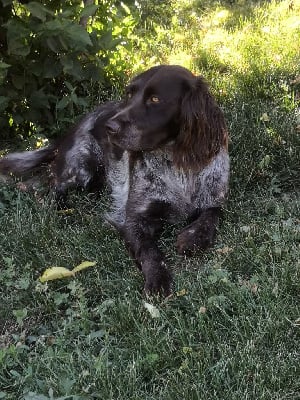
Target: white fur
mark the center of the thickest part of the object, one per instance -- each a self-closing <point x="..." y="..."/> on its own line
<point x="118" y="181"/>
<point x="185" y="191"/>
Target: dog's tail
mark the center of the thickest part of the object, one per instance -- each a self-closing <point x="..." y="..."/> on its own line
<point x="24" y="162"/>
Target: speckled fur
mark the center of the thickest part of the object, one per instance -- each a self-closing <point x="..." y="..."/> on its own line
<point x="156" y="179"/>
<point x="162" y="152"/>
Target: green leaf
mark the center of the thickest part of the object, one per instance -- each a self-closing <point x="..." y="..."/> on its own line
<point x="89" y="10"/>
<point x="51" y="68"/>
<point x="80" y="37"/>
<point x="63" y="42"/>
<point x="60" y="298"/>
<point x="18" y="81"/>
<point x="53" y="44"/>
<point x="3" y="65"/>
<point x="38" y="99"/>
<point x="74" y="98"/>
<point x="18" y="118"/>
<point x="54" y="26"/>
<point x="63" y="103"/>
<point x="3" y="102"/>
<point x="18" y="37"/>
<point x="38" y="10"/>
<point x="72" y="66"/>
<point x="69" y="86"/>
<point x="33" y="114"/>
<point x="67" y="63"/>
<point x="20" y="315"/>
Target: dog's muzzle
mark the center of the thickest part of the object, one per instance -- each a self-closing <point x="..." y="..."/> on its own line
<point x="113" y="127"/>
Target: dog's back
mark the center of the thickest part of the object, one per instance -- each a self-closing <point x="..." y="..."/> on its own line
<point x="76" y="160"/>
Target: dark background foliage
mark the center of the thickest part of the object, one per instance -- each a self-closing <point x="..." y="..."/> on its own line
<point x="53" y="66"/>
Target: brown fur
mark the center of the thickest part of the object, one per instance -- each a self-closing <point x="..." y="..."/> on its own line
<point x="203" y="128"/>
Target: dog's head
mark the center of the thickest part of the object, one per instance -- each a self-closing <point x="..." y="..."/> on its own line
<point x="168" y="105"/>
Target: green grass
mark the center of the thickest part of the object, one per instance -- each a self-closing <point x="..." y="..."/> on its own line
<point x="231" y="329"/>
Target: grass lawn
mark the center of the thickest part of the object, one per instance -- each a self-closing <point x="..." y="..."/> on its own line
<point x="231" y="329"/>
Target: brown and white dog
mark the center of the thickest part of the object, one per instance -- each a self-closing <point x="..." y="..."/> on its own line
<point x="163" y="154"/>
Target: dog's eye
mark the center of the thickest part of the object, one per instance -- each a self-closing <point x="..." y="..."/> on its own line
<point x="129" y="95"/>
<point x="154" y="99"/>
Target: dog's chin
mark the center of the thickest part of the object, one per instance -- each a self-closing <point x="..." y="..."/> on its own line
<point x="131" y="145"/>
<point x="125" y="146"/>
<point x="139" y="144"/>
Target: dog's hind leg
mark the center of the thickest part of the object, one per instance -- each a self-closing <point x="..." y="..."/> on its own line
<point x="79" y="166"/>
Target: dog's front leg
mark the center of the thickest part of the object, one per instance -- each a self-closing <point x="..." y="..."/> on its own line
<point x="200" y="234"/>
<point x="139" y="234"/>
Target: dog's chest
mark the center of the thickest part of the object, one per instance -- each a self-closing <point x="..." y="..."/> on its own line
<point x="153" y="178"/>
<point x="118" y="179"/>
<point x="156" y="179"/>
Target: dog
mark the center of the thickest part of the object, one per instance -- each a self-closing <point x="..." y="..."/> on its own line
<point x="163" y="154"/>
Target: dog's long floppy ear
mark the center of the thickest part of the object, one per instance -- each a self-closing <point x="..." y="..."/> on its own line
<point x="203" y="129"/>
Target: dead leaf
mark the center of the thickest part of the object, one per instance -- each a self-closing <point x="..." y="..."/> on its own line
<point x="265" y="117"/>
<point x="68" y="211"/>
<point x="55" y="273"/>
<point x="84" y="265"/>
<point x="154" y="311"/>
<point x="296" y="80"/>
<point x="181" y="293"/>
<point x="224" y="250"/>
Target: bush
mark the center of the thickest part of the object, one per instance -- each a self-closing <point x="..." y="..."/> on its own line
<point x="56" y="60"/>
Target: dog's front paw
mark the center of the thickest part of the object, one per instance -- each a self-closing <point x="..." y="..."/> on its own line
<point x="200" y="234"/>
<point x="158" y="281"/>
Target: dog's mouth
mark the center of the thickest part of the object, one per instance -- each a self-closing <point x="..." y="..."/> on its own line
<point x="126" y="138"/>
<point x="121" y="140"/>
<point x="131" y="138"/>
<point x="138" y="145"/>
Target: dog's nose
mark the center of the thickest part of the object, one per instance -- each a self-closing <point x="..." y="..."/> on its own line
<point x="113" y="127"/>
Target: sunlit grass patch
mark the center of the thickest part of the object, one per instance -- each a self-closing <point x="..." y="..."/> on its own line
<point x="258" y="39"/>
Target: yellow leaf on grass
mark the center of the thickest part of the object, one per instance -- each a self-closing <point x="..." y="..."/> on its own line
<point x="84" y="265"/>
<point x="60" y="272"/>
<point x="182" y="292"/>
<point x="55" y="273"/>
<point x="67" y="211"/>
